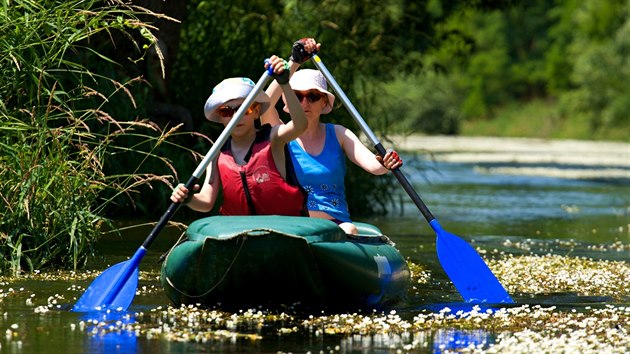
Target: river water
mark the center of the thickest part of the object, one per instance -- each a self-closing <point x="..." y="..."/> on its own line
<point x="506" y="213"/>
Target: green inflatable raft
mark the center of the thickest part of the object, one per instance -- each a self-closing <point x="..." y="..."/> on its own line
<point x="283" y="261"/>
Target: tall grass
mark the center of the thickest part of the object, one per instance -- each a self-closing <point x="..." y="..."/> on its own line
<point x="57" y="131"/>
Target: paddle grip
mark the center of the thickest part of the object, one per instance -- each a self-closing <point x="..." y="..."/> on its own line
<point x="283" y="78"/>
<point x="298" y="52"/>
<point x="269" y="69"/>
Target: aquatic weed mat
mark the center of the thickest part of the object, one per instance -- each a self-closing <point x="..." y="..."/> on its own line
<point x="532" y="274"/>
<point x="521" y="329"/>
<point x="518" y="329"/>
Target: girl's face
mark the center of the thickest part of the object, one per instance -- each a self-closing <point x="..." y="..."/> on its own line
<point x="312" y="101"/>
<point x="227" y="110"/>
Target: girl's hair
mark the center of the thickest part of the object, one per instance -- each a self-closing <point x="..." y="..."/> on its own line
<point x="257" y="123"/>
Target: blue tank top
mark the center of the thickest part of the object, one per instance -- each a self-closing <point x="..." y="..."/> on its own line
<point x="322" y="176"/>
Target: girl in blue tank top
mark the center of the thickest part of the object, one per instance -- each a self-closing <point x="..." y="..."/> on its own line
<point x="319" y="153"/>
<point x="322" y="176"/>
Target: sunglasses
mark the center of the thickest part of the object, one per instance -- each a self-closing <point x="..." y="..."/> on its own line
<point x="227" y="111"/>
<point x="311" y="96"/>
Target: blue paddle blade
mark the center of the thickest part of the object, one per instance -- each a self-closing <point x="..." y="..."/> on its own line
<point x="112" y="290"/>
<point x="467" y="270"/>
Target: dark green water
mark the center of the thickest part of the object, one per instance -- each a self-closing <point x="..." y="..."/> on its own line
<point x="550" y="215"/>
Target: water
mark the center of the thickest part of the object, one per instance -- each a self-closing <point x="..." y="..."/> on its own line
<point x="514" y="214"/>
<point x="478" y="203"/>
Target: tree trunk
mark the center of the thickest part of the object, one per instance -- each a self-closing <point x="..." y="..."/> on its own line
<point x="159" y="72"/>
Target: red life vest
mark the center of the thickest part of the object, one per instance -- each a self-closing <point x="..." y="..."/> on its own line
<point x="257" y="188"/>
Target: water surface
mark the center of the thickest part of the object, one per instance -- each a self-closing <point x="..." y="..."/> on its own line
<point x="497" y="213"/>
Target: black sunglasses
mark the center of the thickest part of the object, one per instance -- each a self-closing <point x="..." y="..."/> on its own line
<point x="310" y="96"/>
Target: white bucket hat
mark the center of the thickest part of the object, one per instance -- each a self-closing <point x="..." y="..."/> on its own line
<point x="310" y="79"/>
<point x="231" y="89"/>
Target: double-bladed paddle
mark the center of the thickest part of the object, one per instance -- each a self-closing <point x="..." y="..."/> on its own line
<point x="116" y="287"/>
<point x="469" y="273"/>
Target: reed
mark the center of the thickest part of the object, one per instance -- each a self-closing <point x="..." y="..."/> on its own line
<point x="57" y="129"/>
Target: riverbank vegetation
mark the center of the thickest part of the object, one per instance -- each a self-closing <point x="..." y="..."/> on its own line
<point x="61" y="129"/>
<point x="545" y="69"/>
<point x="100" y="101"/>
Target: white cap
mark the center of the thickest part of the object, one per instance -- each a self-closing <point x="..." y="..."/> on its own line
<point x="231" y="89"/>
<point x="310" y="79"/>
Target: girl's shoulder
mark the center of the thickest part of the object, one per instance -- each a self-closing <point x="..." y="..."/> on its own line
<point x="338" y="128"/>
<point x="342" y="134"/>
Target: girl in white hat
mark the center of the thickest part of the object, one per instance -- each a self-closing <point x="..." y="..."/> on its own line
<point x="319" y="153"/>
<point x="253" y="169"/>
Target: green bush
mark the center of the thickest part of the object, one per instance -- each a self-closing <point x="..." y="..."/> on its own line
<point x="601" y="68"/>
<point x="56" y="136"/>
<point x="429" y="103"/>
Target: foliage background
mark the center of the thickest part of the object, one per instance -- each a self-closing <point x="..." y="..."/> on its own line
<point x="546" y="68"/>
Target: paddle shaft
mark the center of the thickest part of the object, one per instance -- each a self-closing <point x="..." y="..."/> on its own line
<point x="210" y="156"/>
<point x="377" y="144"/>
<point x="463" y="265"/>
